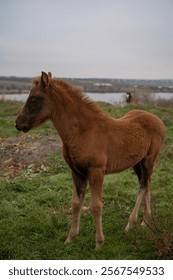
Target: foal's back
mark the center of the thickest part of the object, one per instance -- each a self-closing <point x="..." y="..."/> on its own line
<point x="137" y="121"/>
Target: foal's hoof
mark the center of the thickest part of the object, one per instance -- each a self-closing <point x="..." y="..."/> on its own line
<point x="143" y="224"/>
<point x="146" y="223"/>
<point x="99" y="245"/>
<point x="68" y="240"/>
<point x="129" y="226"/>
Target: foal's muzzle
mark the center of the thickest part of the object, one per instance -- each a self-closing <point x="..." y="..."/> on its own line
<point x="22" y="128"/>
<point x="17" y="127"/>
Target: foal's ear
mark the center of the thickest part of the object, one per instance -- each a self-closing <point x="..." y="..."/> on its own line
<point x="45" y="79"/>
<point x="50" y="75"/>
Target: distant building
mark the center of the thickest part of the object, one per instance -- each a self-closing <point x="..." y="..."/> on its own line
<point x="103" y="84"/>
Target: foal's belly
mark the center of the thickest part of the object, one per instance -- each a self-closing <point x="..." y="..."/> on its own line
<point x="126" y="148"/>
<point x="118" y="164"/>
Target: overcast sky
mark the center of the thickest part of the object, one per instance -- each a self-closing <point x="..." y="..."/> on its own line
<point x="87" y="38"/>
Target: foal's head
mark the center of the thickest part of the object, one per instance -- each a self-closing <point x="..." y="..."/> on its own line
<point x="37" y="108"/>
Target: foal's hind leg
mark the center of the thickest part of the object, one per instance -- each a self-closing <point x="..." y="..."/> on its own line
<point x="147" y="208"/>
<point x="148" y="165"/>
<point x="143" y="171"/>
<point x="134" y="214"/>
<point x="79" y="189"/>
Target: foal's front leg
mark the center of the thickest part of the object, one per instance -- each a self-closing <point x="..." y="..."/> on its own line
<point x="96" y="181"/>
<point x="79" y="189"/>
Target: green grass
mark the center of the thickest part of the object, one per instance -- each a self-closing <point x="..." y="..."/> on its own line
<point x="35" y="207"/>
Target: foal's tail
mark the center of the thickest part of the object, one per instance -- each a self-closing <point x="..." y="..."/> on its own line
<point x="157" y="139"/>
<point x="160" y="129"/>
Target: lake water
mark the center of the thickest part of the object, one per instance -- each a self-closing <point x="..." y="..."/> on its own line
<point x="113" y="98"/>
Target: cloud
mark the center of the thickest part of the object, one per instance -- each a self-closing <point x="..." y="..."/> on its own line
<point x="130" y="39"/>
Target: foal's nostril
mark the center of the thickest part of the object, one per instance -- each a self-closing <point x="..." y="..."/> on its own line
<point x="17" y="127"/>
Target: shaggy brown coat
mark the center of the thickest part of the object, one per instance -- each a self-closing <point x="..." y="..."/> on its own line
<point x="95" y="144"/>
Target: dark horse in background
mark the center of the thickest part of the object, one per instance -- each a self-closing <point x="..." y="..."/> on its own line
<point x="95" y="144"/>
<point x="130" y="99"/>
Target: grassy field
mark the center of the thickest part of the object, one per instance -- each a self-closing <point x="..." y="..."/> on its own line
<point x="35" y="204"/>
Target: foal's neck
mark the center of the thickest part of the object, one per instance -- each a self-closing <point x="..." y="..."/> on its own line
<point x="72" y="112"/>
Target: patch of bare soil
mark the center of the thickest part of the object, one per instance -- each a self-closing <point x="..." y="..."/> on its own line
<point x="17" y="153"/>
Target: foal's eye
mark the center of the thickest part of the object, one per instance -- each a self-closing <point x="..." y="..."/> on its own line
<point x="35" y="103"/>
<point x="32" y="103"/>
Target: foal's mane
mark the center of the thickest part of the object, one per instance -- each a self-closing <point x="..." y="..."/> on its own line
<point x="74" y="93"/>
